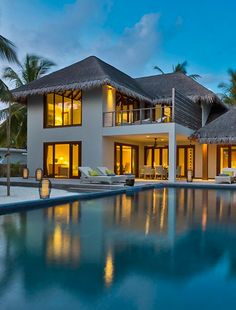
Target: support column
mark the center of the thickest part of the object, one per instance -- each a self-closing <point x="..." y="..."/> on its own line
<point x="204" y="161"/>
<point x="172" y="154"/>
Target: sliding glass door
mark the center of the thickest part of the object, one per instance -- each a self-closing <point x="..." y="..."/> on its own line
<point x="126" y="158"/>
<point x="185" y="159"/>
<point x="159" y="156"/>
<point x="61" y="160"/>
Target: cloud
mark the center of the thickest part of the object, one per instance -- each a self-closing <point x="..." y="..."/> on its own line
<point x="136" y="45"/>
<point x="78" y="30"/>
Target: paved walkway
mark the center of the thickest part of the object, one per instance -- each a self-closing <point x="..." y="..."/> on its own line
<point x="20" y="194"/>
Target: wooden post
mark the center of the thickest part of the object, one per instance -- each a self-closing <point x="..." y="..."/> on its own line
<point x="173" y="105"/>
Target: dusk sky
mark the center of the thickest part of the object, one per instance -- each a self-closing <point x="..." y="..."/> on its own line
<point x="132" y="35"/>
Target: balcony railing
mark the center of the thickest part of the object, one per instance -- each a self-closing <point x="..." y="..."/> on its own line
<point x="152" y="115"/>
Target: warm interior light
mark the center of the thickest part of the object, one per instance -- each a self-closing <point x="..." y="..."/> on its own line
<point x="110" y="98"/>
<point x="25" y="174"/>
<point x="38" y="174"/>
<point x="44" y="189"/>
<point x="109" y="269"/>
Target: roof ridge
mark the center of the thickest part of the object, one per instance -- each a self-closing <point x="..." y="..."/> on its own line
<point x="161" y="74"/>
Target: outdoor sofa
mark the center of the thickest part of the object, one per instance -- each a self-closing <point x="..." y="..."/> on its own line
<point x="123" y="177"/>
<point x="228" y="175"/>
<point x="88" y="175"/>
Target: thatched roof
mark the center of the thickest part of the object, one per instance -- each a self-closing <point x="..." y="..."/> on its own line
<point x="220" y="130"/>
<point x="93" y="72"/>
<point x="160" y="86"/>
<point x="89" y="73"/>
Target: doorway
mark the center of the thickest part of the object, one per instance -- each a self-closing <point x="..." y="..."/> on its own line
<point x="62" y="160"/>
<point x="126" y="159"/>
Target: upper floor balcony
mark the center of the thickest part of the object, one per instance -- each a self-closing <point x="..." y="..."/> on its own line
<point x="152" y="115"/>
<point x="177" y="109"/>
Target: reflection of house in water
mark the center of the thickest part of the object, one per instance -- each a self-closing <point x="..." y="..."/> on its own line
<point x="90" y="246"/>
<point x="63" y="244"/>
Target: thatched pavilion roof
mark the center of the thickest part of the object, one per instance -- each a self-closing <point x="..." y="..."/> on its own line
<point x="221" y="130"/>
<point x="93" y="72"/>
<point x="89" y="73"/>
<point x="159" y="87"/>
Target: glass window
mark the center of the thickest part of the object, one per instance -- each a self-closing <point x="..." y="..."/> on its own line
<point x="63" y="110"/>
<point x="50" y="110"/>
<point x="233" y="157"/>
<point x="181" y="162"/>
<point x="62" y="159"/>
<point x="49" y="163"/>
<point x="67" y="115"/>
<point x="167" y="113"/>
<point x="165" y="159"/>
<point x="75" y="160"/>
<point x="149" y="157"/>
<point x="224" y="158"/>
<point x="77" y="112"/>
<point x="58" y="110"/>
<point x="157" y="157"/>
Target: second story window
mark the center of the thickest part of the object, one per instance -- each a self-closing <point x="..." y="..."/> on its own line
<point x="63" y="109"/>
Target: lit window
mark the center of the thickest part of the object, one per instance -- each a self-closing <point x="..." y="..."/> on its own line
<point x="63" y="110"/>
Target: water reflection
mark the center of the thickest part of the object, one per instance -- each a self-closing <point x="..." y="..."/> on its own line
<point x="90" y="247"/>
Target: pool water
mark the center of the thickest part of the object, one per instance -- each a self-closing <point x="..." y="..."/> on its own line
<point x="156" y="249"/>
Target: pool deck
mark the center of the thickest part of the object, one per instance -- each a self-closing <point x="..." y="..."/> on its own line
<point x="25" y="194"/>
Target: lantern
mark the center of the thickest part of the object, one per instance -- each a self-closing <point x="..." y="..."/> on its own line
<point x="38" y="174"/>
<point x="25" y="173"/>
<point x="45" y="186"/>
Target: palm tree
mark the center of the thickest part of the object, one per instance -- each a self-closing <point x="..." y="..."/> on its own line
<point x="229" y="89"/>
<point x="32" y="68"/>
<point x="180" y="67"/>
<point x="7" y="50"/>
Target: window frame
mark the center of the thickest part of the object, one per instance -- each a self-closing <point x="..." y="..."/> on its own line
<point x="53" y="144"/>
<point x="45" y="113"/>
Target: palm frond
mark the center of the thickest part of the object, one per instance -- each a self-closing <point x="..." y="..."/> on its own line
<point x="11" y="75"/>
<point x="195" y="76"/>
<point x="7" y="50"/>
<point x="158" y="69"/>
<point x="5" y="94"/>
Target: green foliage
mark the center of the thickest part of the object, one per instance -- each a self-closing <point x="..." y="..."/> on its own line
<point x="229" y="89"/>
<point x="7" y="50"/>
<point x="33" y="67"/>
<point x="180" y="67"/>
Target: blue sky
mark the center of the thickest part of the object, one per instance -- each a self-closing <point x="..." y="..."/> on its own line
<point x="132" y="35"/>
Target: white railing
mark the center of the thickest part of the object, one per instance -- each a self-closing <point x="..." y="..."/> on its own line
<point x="152" y="115"/>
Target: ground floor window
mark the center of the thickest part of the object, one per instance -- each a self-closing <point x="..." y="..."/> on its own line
<point x="159" y="156"/>
<point x="226" y="157"/>
<point x="126" y="158"/>
<point x="62" y="160"/>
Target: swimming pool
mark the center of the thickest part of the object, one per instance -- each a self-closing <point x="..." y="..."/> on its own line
<point x="157" y="249"/>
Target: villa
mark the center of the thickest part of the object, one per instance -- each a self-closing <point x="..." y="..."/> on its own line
<point x="92" y="114"/>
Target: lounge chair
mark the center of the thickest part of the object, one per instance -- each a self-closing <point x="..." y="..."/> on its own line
<point x="120" y="178"/>
<point x="228" y="175"/>
<point x="224" y="179"/>
<point x="88" y="178"/>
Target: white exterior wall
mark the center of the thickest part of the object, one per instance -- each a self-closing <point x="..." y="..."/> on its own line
<point x="98" y="141"/>
<point x="90" y="133"/>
